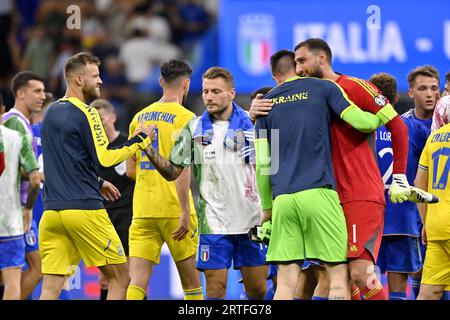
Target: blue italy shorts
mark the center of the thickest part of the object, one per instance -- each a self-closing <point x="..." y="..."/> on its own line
<point x="273" y="271"/>
<point x="311" y="262"/>
<point x="31" y="238"/>
<point x="400" y="254"/>
<point x="216" y="251"/>
<point x="12" y="253"/>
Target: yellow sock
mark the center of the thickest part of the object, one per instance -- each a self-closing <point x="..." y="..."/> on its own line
<point x="193" y="294"/>
<point x="135" y="293"/>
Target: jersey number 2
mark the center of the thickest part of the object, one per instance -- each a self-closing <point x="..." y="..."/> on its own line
<point x="390" y="169"/>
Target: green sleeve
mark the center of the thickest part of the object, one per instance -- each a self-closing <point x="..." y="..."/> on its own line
<point x="27" y="158"/>
<point x="15" y="124"/>
<point x="182" y="152"/>
<point x="262" y="150"/>
<point x="360" y="120"/>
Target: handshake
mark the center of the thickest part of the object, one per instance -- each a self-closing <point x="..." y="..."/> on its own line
<point x="400" y="191"/>
<point x="262" y="233"/>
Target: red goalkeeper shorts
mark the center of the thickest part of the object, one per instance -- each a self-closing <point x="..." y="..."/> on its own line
<point x="365" y="221"/>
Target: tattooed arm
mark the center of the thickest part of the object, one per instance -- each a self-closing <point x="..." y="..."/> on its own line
<point x="166" y="168"/>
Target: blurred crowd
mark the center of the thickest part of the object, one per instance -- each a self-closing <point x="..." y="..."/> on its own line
<point x="131" y="37"/>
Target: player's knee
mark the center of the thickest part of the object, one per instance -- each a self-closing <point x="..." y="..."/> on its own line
<point x="123" y="279"/>
<point x="323" y="285"/>
<point x="257" y="291"/>
<point x="34" y="261"/>
<point x="216" y="289"/>
<point x="37" y="272"/>
<point x="359" y="277"/>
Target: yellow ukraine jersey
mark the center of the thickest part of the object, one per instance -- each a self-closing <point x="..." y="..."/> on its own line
<point x="436" y="159"/>
<point x="154" y="196"/>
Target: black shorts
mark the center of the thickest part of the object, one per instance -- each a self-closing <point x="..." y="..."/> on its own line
<point x="121" y="220"/>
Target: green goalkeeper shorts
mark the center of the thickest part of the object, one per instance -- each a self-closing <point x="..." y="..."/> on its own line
<point x="308" y="225"/>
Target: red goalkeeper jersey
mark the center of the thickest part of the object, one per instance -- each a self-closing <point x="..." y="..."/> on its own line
<point x="354" y="156"/>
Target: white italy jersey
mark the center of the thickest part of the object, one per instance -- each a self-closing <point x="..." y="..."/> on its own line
<point x="17" y="153"/>
<point x="229" y="201"/>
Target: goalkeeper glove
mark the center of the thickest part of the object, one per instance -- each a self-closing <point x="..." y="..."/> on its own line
<point x="399" y="191"/>
<point x="261" y="233"/>
<point x="421" y="196"/>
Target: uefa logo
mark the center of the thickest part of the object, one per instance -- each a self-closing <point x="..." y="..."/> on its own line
<point x="256" y="41"/>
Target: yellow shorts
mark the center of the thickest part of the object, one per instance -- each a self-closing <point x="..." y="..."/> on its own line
<point x="436" y="268"/>
<point x="66" y="236"/>
<point x="147" y="236"/>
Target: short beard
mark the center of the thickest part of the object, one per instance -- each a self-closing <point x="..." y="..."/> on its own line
<point x="89" y="93"/>
<point x="218" y="113"/>
<point x="317" y="72"/>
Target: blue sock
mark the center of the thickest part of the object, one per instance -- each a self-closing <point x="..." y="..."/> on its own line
<point x="445" y="295"/>
<point x="397" y="296"/>
<point x="415" y="286"/>
<point x="270" y="293"/>
<point x="318" y="298"/>
<point x="64" y="295"/>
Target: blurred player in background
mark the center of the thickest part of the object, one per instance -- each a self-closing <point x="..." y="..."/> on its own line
<point x="163" y="212"/>
<point x="28" y="90"/>
<point x="36" y="119"/>
<point x="75" y="224"/>
<point x="120" y="212"/>
<point x="15" y="220"/>
<point x="441" y="114"/>
<point x="400" y="252"/>
<point x="423" y="85"/>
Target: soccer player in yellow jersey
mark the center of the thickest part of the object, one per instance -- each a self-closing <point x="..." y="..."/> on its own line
<point x="163" y="211"/>
<point x="75" y="224"/>
<point x="432" y="175"/>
